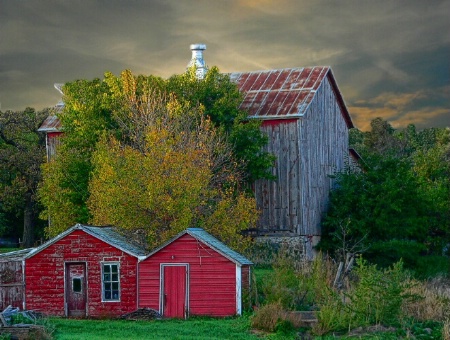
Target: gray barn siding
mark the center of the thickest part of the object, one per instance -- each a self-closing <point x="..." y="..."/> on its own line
<point x="308" y="150"/>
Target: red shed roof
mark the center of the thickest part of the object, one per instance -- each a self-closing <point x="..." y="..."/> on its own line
<point x="284" y="93"/>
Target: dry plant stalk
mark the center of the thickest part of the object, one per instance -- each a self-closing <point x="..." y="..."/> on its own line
<point x="432" y="302"/>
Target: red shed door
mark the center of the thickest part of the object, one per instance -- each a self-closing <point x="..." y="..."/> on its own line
<point x="76" y="289"/>
<point x="174" y="294"/>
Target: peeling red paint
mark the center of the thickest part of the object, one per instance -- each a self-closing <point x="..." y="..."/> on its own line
<point x="44" y="275"/>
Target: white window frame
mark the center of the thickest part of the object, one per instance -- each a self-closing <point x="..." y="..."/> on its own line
<point x="110" y="264"/>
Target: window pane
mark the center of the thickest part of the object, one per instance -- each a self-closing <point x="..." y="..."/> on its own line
<point x="111" y="281"/>
<point x="76" y="284"/>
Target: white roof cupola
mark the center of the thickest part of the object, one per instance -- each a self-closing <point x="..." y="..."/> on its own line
<point x="198" y="61"/>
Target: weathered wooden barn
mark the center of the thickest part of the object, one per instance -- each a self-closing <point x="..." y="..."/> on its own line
<point x="97" y="272"/>
<point x="306" y="120"/>
<point x="194" y="274"/>
<point x="84" y="271"/>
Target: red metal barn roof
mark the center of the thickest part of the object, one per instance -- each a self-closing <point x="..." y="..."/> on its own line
<point x="284" y="93"/>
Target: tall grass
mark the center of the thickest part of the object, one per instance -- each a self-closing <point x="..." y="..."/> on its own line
<point x="367" y="296"/>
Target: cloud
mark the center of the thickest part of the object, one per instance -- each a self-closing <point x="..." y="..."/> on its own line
<point x="401" y="109"/>
<point x="377" y="49"/>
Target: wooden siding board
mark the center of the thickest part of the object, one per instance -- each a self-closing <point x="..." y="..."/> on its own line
<point x="212" y="285"/>
<point x="11" y="284"/>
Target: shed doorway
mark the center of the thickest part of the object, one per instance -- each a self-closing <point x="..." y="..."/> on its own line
<point x="174" y="292"/>
<point x="75" y="289"/>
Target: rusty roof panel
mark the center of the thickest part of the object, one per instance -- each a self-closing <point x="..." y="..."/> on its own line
<point x="279" y="93"/>
<point x="288" y="107"/>
<point x="260" y="81"/>
<point x="315" y="78"/>
<point x="50" y="124"/>
<point x="266" y="104"/>
<point x="291" y="80"/>
<point x="282" y="78"/>
<point x="271" y="78"/>
<point x="247" y="103"/>
<point x="251" y="79"/>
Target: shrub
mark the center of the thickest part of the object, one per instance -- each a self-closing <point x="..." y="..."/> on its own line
<point x="282" y="286"/>
<point x="296" y="283"/>
<point x="376" y="297"/>
<point x="378" y="294"/>
<point x="267" y="317"/>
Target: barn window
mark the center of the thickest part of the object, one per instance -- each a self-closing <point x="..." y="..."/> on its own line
<point x="111" y="282"/>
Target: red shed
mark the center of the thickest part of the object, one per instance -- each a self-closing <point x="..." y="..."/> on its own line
<point x="194" y="274"/>
<point x="84" y="271"/>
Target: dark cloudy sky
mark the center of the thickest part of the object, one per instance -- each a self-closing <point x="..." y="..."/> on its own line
<point x="391" y="58"/>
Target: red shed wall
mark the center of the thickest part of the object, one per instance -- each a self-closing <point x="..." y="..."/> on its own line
<point x="44" y="275"/>
<point x="212" y="277"/>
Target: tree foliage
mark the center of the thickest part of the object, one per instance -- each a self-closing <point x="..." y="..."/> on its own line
<point x="220" y="99"/>
<point x="22" y="151"/>
<point x="139" y="155"/>
<point x="399" y="202"/>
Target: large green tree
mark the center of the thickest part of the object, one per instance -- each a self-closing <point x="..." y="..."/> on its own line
<point x="22" y="151"/>
<point x="397" y="205"/>
<point x="172" y="171"/>
<point x="129" y="110"/>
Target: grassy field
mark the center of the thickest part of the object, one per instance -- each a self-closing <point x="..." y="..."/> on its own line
<point x="195" y="328"/>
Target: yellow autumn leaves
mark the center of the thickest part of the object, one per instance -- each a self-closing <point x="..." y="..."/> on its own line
<point x="172" y="170"/>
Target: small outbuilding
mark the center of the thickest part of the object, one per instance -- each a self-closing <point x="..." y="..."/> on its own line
<point x="97" y="272"/>
<point x="194" y="274"/>
<point x="84" y="271"/>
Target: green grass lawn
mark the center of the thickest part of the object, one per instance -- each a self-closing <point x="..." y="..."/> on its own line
<point x="195" y="328"/>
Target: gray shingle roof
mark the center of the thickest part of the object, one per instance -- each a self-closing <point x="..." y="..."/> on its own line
<point x="106" y="234"/>
<point x="112" y="237"/>
<point x="15" y="255"/>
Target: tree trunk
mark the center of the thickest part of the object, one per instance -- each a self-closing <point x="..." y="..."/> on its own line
<point x="28" y="222"/>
